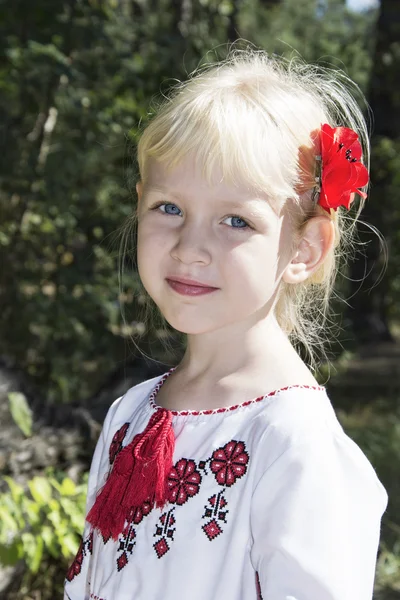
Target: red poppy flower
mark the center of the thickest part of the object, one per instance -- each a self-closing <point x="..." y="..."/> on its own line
<point x="229" y="463"/>
<point x="183" y="481"/>
<point x="342" y="170"/>
<point x="116" y="443"/>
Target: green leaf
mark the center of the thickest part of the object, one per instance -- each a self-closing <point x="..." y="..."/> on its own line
<point x="50" y="540"/>
<point x="21" y="412"/>
<point x="40" y="490"/>
<point x="69" y="545"/>
<point x="17" y="491"/>
<point x="29" y="543"/>
<point x="32" y="509"/>
<point x="7" y="521"/>
<point x="37" y="554"/>
<point x="55" y="518"/>
<point x="56" y="485"/>
<point x="68" y="487"/>
<point x="9" y="554"/>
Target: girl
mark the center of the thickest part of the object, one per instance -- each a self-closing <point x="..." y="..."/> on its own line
<point x="229" y="476"/>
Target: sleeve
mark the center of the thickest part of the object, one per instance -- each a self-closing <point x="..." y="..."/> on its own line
<point x="77" y="580"/>
<point x="315" y="521"/>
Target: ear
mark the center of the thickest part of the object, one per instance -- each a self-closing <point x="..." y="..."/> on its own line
<point x="139" y="189"/>
<point x="317" y="239"/>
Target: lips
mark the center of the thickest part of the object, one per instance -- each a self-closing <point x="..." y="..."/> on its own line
<point x="189" y="287"/>
<point x="191" y="282"/>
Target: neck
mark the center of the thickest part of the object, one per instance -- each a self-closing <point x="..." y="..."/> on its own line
<point x="261" y="352"/>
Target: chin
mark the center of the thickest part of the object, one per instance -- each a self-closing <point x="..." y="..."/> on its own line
<point x="189" y="325"/>
<point x="188" y="328"/>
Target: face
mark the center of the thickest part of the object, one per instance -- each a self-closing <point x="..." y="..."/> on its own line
<point x="222" y="236"/>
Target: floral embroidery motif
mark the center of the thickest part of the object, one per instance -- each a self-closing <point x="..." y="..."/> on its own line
<point x="116" y="443"/>
<point x="229" y="463"/>
<point x="164" y="529"/>
<point x="85" y="547"/>
<point x="183" y="482"/>
<point x="127" y="540"/>
<point x="215" y="509"/>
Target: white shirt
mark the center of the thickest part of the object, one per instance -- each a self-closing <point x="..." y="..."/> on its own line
<point x="269" y="499"/>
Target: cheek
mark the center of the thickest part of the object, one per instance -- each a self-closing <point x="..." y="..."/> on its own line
<point x="254" y="266"/>
<point x="151" y="242"/>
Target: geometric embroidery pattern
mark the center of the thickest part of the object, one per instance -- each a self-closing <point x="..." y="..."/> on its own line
<point x="127" y="539"/>
<point x="183" y="481"/>
<point x="116" y="443"/>
<point x="85" y="547"/>
<point x="126" y="545"/>
<point x="227" y="464"/>
<point x="165" y="532"/>
<point x="227" y="409"/>
<point x="216" y="512"/>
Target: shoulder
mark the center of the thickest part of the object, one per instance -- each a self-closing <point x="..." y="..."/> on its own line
<point x="127" y="407"/>
<point x="302" y="438"/>
<point x="293" y="414"/>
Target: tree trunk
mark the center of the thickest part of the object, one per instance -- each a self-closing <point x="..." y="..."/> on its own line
<point x="369" y="313"/>
<point x="233" y="32"/>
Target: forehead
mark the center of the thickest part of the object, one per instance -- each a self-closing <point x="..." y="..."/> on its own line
<point x="187" y="181"/>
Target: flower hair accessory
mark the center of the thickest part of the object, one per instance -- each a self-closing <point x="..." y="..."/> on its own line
<point x="340" y="172"/>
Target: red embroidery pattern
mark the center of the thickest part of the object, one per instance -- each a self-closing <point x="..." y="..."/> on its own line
<point x="127" y="540"/>
<point x="258" y="587"/>
<point x="116" y="443"/>
<point x="85" y="547"/>
<point x="94" y="597"/>
<point x="164" y="529"/>
<point x="215" y="509"/>
<point x="126" y="545"/>
<point x="229" y="463"/>
<point x="197" y="413"/>
<point x="183" y="482"/>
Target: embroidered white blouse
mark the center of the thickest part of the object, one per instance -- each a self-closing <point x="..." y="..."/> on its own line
<point x="269" y="499"/>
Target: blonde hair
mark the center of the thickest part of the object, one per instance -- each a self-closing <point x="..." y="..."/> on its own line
<point x="255" y="117"/>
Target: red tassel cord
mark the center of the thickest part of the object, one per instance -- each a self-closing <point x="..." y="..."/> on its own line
<point x="139" y="474"/>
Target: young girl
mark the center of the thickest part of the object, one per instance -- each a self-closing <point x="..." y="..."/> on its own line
<point x="229" y="476"/>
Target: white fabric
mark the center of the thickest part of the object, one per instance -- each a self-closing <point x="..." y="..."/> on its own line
<point x="298" y="502"/>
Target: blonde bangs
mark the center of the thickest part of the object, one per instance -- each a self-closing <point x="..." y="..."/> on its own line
<point x="248" y="130"/>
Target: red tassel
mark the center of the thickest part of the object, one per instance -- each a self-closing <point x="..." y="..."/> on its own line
<point x="139" y="474"/>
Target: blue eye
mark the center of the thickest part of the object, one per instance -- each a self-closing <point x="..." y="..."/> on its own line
<point x="238" y="220"/>
<point x="166" y="205"/>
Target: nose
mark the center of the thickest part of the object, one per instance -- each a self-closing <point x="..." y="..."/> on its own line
<point x="191" y="244"/>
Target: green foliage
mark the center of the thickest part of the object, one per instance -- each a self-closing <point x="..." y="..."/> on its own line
<point x="325" y="32"/>
<point x="42" y="522"/>
<point x="76" y="83"/>
<point x="386" y="172"/>
<point x="21" y="412"/>
<point x="376" y="429"/>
